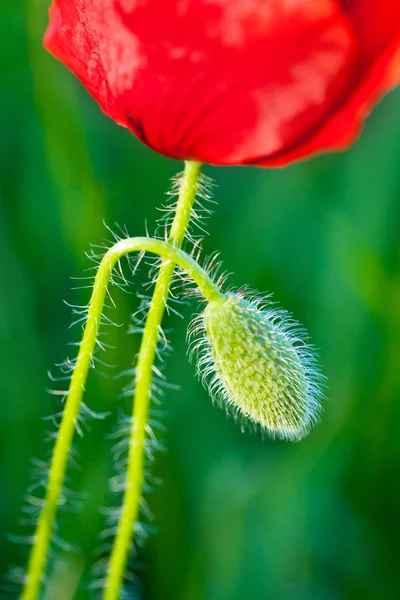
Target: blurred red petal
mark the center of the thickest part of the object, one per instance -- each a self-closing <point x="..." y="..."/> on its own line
<point x="231" y="82"/>
<point x="376" y="24"/>
<point x="377" y="71"/>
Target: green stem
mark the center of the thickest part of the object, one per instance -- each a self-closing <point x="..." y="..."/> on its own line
<point x="45" y="526"/>
<point x="171" y="256"/>
<point x="135" y="470"/>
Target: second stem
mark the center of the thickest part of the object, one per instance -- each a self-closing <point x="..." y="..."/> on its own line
<point x="144" y="371"/>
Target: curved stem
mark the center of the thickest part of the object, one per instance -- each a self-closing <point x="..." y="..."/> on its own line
<point x="171" y="257"/>
<point x="135" y="470"/>
<point x="45" y="526"/>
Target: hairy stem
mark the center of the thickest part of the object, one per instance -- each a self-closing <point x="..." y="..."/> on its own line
<point x="171" y="256"/>
<point x="144" y="370"/>
<point x="45" y="526"/>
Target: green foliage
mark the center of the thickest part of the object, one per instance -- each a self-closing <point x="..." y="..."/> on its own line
<point x="236" y="516"/>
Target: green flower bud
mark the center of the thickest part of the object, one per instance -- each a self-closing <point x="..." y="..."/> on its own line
<point x="255" y="360"/>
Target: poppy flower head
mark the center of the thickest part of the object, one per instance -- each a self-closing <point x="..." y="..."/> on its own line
<point x="232" y="82"/>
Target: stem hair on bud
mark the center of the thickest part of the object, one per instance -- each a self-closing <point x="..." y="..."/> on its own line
<point x="255" y="361"/>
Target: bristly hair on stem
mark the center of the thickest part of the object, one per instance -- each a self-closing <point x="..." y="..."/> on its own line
<point x="116" y="569"/>
<point x="78" y="368"/>
<point x="257" y="358"/>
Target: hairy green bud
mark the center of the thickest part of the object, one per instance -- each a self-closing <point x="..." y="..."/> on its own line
<point x="255" y="360"/>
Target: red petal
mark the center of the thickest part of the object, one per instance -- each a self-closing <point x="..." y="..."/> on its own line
<point x="71" y="37"/>
<point x="220" y="81"/>
<point x="377" y="26"/>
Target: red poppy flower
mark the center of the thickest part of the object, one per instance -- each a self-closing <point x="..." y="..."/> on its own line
<point x="232" y="81"/>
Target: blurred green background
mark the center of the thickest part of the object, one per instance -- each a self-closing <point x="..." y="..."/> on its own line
<point x="235" y="516"/>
